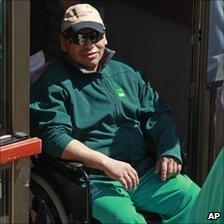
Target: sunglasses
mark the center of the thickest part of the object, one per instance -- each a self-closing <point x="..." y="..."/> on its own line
<point x="81" y="38"/>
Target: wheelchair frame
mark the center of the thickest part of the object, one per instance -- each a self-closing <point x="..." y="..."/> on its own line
<point x="70" y="183"/>
<point x="66" y="187"/>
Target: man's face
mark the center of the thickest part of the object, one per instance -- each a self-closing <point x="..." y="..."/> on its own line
<point x="89" y="54"/>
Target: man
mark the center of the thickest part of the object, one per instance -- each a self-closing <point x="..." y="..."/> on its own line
<point x="100" y="111"/>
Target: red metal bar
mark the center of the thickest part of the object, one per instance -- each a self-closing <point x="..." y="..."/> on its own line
<point x="20" y="150"/>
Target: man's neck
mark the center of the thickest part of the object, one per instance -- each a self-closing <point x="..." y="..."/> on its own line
<point x="108" y="54"/>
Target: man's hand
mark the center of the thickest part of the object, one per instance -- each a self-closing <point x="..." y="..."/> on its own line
<point x="167" y="167"/>
<point x="116" y="170"/>
<point x="122" y="172"/>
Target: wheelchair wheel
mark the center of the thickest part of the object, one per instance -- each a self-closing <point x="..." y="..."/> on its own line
<point x="45" y="206"/>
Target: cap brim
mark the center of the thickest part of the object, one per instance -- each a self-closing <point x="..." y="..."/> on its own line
<point x="87" y="24"/>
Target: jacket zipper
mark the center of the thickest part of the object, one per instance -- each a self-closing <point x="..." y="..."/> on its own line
<point x="107" y="85"/>
<point x="118" y="108"/>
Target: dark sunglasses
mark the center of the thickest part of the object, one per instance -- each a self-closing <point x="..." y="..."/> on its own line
<point x="81" y="38"/>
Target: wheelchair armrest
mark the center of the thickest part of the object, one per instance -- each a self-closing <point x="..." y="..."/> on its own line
<point x="70" y="168"/>
<point x="62" y="163"/>
<point x="72" y="164"/>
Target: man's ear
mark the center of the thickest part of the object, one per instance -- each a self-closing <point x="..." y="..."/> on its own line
<point x="62" y="43"/>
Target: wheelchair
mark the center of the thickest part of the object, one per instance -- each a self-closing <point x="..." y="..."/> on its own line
<point x="60" y="193"/>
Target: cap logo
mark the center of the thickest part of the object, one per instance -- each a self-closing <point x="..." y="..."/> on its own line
<point x="83" y="14"/>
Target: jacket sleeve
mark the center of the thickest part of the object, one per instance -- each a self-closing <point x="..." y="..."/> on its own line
<point x="49" y="118"/>
<point x="157" y="123"/>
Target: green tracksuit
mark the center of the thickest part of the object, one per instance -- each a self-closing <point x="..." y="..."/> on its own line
<point x="209" y="205"/>
<point x="114" y="111"/>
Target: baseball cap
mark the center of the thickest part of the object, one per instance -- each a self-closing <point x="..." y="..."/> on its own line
<point x="82" y="16"/>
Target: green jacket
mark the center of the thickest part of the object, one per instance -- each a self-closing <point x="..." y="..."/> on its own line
<point x="114" y="111"/>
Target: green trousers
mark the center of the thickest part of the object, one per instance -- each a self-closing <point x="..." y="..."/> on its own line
<point x="172" y="199"/>
<point x="209" y="206"/>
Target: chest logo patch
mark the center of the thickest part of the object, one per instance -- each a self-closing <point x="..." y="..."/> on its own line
<point x="120" y="92"/>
